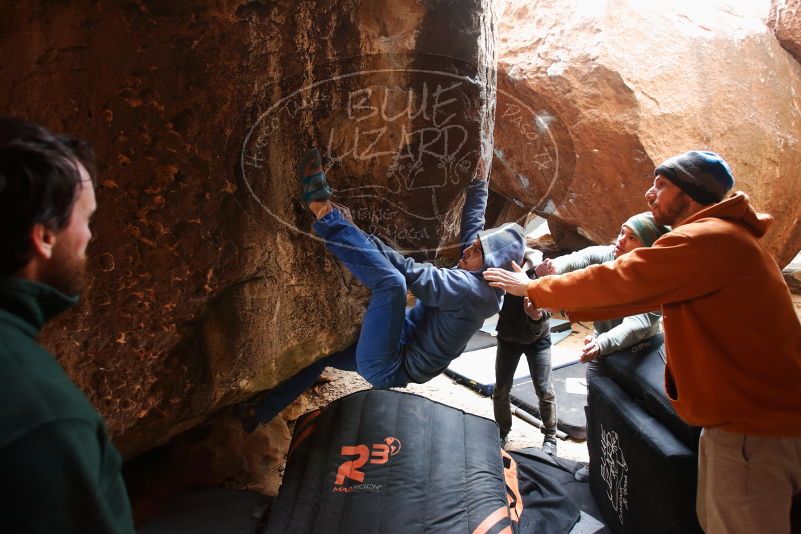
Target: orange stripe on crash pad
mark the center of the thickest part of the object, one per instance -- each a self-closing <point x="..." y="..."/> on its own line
<point x="513" y="496"/>
<point x="491" y="520"/>
<point x="301" y="438"/>
<point x="308" y="419"/>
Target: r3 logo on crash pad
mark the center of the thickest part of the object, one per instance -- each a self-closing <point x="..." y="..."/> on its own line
<point x="379" y="453"/>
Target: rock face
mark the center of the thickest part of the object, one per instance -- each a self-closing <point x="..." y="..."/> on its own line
<point x="206" y="283"/>
<point x="591" y="99"/>
<point x="785" y="21"/>
<point x="792" y="275"/>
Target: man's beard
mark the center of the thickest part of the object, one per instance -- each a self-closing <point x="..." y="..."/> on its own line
<point x="672" y="213"/>
<point x="65" y="272"/>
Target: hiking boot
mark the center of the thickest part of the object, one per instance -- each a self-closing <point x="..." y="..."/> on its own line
<point x="549" y="446"/>
<point x="583" y="474"/>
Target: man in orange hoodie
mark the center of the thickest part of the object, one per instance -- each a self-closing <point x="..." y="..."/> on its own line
<point x="732" y="336"/>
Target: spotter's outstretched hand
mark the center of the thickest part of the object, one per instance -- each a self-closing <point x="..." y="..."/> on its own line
<point x="591" y="350"/>
<point x="514" y="282"/>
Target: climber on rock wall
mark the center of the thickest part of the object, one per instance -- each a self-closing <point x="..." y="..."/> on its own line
<point x="397" y="346"/>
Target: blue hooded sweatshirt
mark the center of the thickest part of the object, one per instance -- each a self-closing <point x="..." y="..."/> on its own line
<point x="453" y="303"/>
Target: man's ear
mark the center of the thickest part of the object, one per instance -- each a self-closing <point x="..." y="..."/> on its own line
<point x="42" y="239"/>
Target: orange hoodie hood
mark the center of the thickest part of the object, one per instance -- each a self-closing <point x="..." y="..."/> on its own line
<point x="737" y="208"/>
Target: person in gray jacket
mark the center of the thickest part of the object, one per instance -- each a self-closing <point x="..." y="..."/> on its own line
<point x="615" y="334"/>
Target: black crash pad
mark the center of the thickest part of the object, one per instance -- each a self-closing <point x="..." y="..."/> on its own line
<point x="387" y="461"/>
<point x="640" y="371"/>
<point x="570" y="386"/>
<point x="642" y="476"/>
<point x="554" y="508"/>
<point x="475" y="367"/>
<point x="480" y="340"/>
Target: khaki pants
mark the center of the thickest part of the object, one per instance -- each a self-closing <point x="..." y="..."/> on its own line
<point x="746" y="483"/>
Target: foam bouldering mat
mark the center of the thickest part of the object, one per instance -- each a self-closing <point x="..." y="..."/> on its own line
<point x="640" y="371"/>
<point x="570" y="386"/>
<point x="388" y="461"/>
<point x="480" y="340"/>
<point x="490" y="325"/>
<point x="475" y="368"/>
<point x="210" y="511"/>
<point x="532" y="464"/>
<point x="629" y="450"/>
<point x="547" y="507"/>
<point x="561" y="357"/>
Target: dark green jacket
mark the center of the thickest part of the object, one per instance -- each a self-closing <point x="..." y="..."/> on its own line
<point x="59" y="472"/>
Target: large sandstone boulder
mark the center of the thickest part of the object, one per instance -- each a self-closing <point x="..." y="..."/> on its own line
<point x="785" y="20"/>
<point x="206" y="285"/>
<point x="593" y="95"/>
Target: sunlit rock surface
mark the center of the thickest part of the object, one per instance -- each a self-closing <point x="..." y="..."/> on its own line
<point x="206" y="285"/>
<point x="593" y="95"/>
<point x="785" y="20"/>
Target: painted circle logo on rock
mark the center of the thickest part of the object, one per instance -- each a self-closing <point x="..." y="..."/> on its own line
<point x="397" y="148"/>
<point x="399" y="145"/>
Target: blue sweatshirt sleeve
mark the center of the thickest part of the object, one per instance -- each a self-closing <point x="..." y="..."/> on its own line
<point x="438" y="287"/>
<point x="435" y="286"/>
<point x="475" y="206"/>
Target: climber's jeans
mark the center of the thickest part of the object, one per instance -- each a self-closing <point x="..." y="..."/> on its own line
<point x="379" y="353"/>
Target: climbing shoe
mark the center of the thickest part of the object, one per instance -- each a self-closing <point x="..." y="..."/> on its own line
<point x="312" y="178"/>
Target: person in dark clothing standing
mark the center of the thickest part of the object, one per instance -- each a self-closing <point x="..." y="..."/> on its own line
<point x="60" y="471"/>
<point x="523" y="329"/>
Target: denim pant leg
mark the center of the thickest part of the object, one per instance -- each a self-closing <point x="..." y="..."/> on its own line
<point x="281" y="396"/>
<point x="379" y="355"/>
<point x="506" y="359"/>
<point x="538" y="355"/>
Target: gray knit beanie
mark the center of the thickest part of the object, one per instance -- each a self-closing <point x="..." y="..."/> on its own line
<point x="704" y="176"/>
<point x="645" y="228"/>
